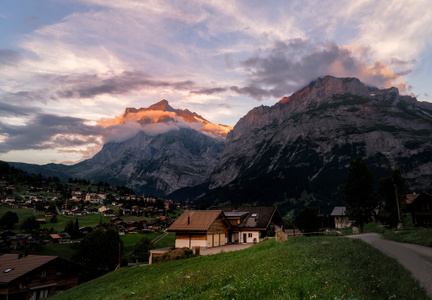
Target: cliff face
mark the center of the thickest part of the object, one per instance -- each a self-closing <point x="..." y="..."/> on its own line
<point x="301" y="146"/>
<point x="154" y="164"/>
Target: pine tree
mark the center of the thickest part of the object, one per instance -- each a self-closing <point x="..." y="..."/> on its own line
<point x="360" y="200"/>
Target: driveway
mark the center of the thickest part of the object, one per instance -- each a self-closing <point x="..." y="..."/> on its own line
<point x="417" y="259"/>
<point x="226" y="248"/>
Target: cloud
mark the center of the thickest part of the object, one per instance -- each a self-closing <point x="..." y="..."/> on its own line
<point x="47" y="131"/>
<point x="209" y="91"/>
<point x="8" y="110"/>
<point x="9" y="57"/>
<point x="89" y="86"/>
<point x="288" y="66"/>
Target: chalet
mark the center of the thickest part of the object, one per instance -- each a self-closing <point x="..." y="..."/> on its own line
<point x="109" y="213"/>
<point x="65" y="237"/>
<point x="250" y="224"/>
<point x="421" y="209"/>
<point x="115" y="220"/>
<point x="126" y="211"/>
<point x="55" y="238"/>
<point x="103" y="209"/>
<point x="341" y="220"/>
<point x="85" y="230"/>
<point x="200" y="228"/>
<point x="35" y="276"/>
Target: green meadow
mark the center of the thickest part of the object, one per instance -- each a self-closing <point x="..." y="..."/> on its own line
<point x="325" y="267"/>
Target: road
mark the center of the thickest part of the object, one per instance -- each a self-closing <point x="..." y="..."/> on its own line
<point x="417" y="259"/>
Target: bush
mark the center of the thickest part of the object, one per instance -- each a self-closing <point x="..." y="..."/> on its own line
<point x="175" y="254"/>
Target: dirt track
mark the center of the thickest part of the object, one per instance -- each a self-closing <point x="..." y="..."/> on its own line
<point x="416" y="259"/>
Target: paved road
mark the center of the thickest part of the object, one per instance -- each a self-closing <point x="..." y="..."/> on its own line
<point x="417" y="259"/>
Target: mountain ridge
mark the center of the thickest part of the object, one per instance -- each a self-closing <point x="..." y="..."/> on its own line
<point x="310" y="138"/>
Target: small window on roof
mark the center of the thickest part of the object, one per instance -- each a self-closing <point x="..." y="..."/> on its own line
<point x="7" y="270"/>
<point x="254" y="215"/>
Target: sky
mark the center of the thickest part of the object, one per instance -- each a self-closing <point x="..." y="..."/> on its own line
<point x="68" y="66"/>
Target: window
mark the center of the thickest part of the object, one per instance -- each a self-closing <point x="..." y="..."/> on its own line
<point x="43" y="275"/>
<point x="249" y="234"/>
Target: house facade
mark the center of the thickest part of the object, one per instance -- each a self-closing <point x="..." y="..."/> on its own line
<point x="225" y="225"/>
<point x="421" y="209"/>
<point x="250" y="224"/>
<point x="35" y="276"/>
<point x="200" y="228"/>
<point x="341" y="220"/>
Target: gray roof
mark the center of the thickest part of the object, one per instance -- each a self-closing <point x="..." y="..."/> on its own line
<point x="338" y="211"/>
<point x="235" y="213"/>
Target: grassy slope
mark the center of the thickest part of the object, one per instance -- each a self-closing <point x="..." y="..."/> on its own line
<point x="89" y="220"/>
<point x="314" y="267"/>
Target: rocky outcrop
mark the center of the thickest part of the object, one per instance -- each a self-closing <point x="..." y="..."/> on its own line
<point x="305" y="142"/>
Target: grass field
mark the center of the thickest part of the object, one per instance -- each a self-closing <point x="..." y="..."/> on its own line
<point x="89" y="220"/>
<point x="301" y="268"/>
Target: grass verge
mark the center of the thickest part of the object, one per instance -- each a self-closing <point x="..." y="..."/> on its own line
<point x="301" y="268"/>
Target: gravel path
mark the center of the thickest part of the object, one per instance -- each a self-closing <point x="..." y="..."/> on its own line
<point x="417" y="259"/>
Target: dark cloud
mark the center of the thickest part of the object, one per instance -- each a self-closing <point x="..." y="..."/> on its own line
<point x="8" y="110"/>
<point x="46" y="131"/>
<point x="9" y="57"/>
<point x="288" y="66"/>
<point x="89" y="86"/>
<point x="209" y="91"/>
<point x="399" y="62"/>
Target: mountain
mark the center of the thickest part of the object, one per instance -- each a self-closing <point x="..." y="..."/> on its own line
<point x="171" y="149"/>
<point x="296" y="153"/>
<point x="162" y="112"/>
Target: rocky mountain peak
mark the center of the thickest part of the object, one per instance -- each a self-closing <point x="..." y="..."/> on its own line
<point x="324" y="88"/>
<point x="162" y="105"/>
<point x="162" y="112"/>
<point x="304" y="143"/>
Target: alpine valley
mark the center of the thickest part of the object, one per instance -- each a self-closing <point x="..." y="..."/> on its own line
<point x="292" y="154"/>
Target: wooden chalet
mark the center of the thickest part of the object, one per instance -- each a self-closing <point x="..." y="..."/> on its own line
<point x="249" y="224"/>
<point x="421" y="209"/>
<point x="341" y="219"/>
<point x="200" y="228"/>
<point x="35" y="276"/>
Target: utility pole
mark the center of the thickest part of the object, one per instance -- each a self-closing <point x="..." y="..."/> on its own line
<point x="398" y="210"/>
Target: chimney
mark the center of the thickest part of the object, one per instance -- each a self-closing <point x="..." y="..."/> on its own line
<point x="20" y="256"/>
<point x="188" y="220"/>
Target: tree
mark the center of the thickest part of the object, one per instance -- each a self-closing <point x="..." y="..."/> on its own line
<point x="307" y="220"/>
<point x="360" y="200"/>
<point x="8" y="220"/>
<point x="72" y="228"/>
<point x="53" y="219"/>
<point x="30" y="224"/>
<point x="99" y="251"/>
<point x="142" y="249"/>
<point x="393" y="189"/>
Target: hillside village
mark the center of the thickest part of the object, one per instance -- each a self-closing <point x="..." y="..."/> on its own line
<point x="140" y="216"/>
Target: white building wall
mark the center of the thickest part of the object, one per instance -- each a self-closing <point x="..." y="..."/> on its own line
<point x="251" y="236"/>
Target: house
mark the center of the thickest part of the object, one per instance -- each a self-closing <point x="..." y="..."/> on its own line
<point x="35" y="276"/>
<point x="103" y="208"/>
<point x="421" y="209"/>
<point x="55" y="238"/>
<point x="109" y="213"/>
<point x="200" y="228"/>
<point x="341" y="220"/>
<point x="250" y="224"/>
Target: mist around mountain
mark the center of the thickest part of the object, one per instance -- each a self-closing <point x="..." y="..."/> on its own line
<point x="153" y="150"/>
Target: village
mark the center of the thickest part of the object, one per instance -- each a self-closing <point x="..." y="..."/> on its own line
<point x="57" y="209"/>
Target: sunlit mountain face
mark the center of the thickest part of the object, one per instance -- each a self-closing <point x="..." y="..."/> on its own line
<point x="167" y="118"/>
